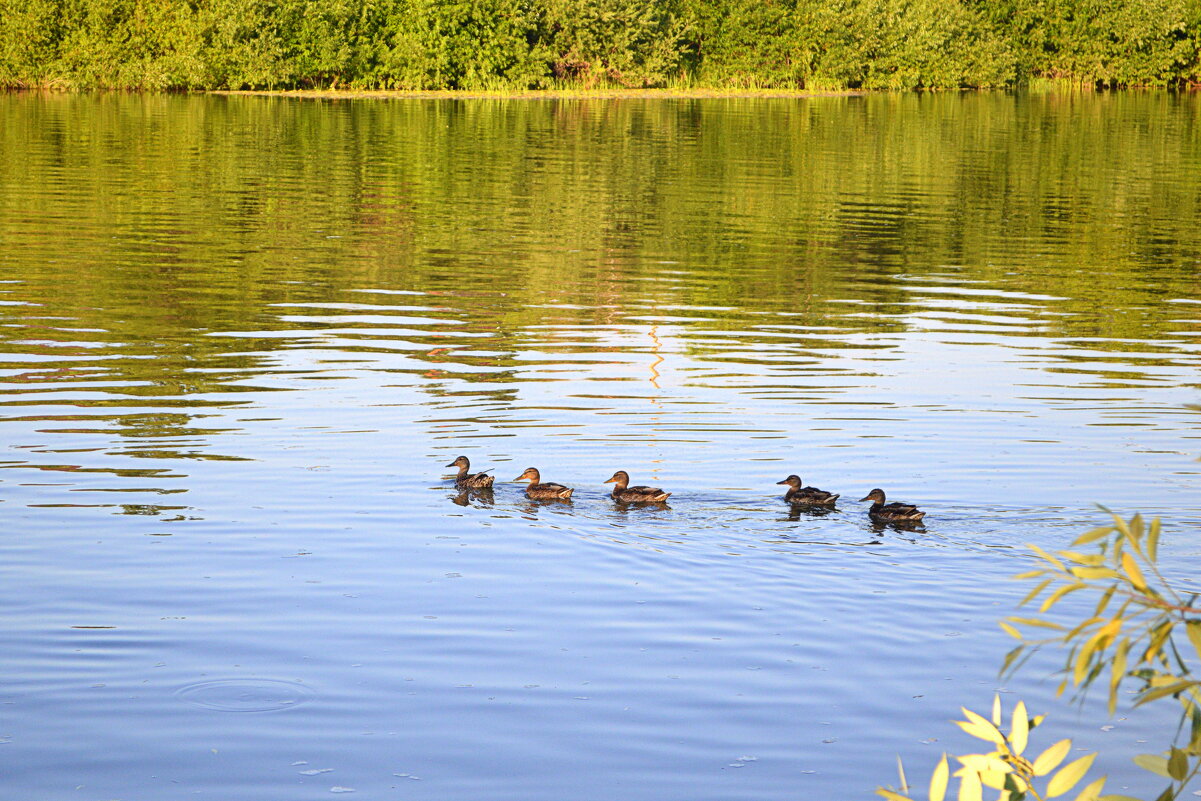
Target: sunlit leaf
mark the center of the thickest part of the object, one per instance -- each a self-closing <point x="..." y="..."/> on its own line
<point x="890" y="795"/>
<point x="993" y="779"/>
<point x="1193" y="629"/>
<point x="1136" y="528"/>
<point x="1033" y="621"/>
<point x="938" y="780"/>
<point x="1049" y="760"/>
<point x="1118" y="671"/>
<point x="1115" y="797"/>
<point x="901" y="774"/>
<point x="1029" y="574"/>
<point x="1154" y="763"/>
<point x="1104" y="600"/>
<point x="1094" y="572"/>
<point x="1034" y="592"/>
<point x="1054" y="597"/>
<point x="996" y="710"/>
<point x="1133" y="572"/>
<point x="1093" y="790"/>
<point x="969" y="787"/>
<point x="1010" y="630"/>
<point x="1153" y="541"/>
<point x="980" y="727"/>
<point x="1046" y="556"/>
<point x="1020" y="729"/>
<point x="1092" y="536"/>
<point x="1068" y="775"/>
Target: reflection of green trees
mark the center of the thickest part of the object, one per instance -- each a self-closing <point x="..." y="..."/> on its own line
<point x="189" y="216"/>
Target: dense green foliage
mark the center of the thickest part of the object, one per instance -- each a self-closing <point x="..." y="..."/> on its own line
<point x="521" y="44"/>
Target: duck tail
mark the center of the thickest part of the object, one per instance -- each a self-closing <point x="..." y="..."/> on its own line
<point x="662" y="496"/>
<point x="565" y="494"/>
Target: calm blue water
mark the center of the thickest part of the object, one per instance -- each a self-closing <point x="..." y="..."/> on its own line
<point x="242" y="336"/>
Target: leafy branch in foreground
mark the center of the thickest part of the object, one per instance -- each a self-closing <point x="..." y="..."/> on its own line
<point x="1133" y="634"/>
<point x="1005" y="768"/>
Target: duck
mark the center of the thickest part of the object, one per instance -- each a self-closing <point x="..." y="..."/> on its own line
<point x="799" y="495"/>
<point x="467" y="480"/>
<point x="891" y="512"/>
<point x="623" y="492"/>
<point x="549" y="491"/>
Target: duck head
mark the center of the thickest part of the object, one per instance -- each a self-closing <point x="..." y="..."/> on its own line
<point x="460" y="462"/>
<point x="621" y="478"/>
<point x="793" y="481"/>
<point x="876" y="495"/>
<point x="530" y="474"/>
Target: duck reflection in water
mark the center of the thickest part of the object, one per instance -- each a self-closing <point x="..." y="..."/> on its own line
<point x="481" y="496"/>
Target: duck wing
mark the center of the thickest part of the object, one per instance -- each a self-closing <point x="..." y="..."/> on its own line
<point x="811" y="495"/>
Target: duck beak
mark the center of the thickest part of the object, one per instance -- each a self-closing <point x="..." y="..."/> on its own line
<point x="520" y="477"/>
<point x="785" y="481"/>
<point x="610" y="481"/>
<point x="452" y="464"/>
<point x="868" y="498"/>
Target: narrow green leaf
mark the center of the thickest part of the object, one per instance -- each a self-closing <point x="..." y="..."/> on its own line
<point x="1104" y="601"/>
<point x="1177" y="764"/>
<point x="1094" y="572"/>
<point x="1136" y="528"/>
<point x="890" y="795"/>
<point x="1049" y="760"/>
<point x="1068" y="776"/>
<point x="938" y="781"/>
<point x="1160" y="692"/>
<point x="1118" y="797"/>
<point x="1154" y="763"/>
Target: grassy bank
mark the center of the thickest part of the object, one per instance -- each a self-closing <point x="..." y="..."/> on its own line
<point x="520" y="45"/>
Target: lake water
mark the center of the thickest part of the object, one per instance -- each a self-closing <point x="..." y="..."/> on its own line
<point x="242" y="336"/>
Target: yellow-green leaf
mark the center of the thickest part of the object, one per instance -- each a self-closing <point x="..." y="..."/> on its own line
<point x="1009" y="629"/>
<point x="1153" y="542"/>
<point x="1054" y="597"/>
<point x="1068" y="775"/>
<point x="1034" y="592"/>
<point x="890" y="795"/>
<point x="1177" y="764"/>
<point x="1092" y="536"/>
<point x="1133" y="572"/>
<point x="1160" y="692"/>
<point x="1118" y="797"/>
<point x="996" y="710"/>
<point x="938" y="780"/>
<point x="1104" y="600"/>
<point x="1194" y="635"/>
<point x="1154" y="763"/>
<point x="986" y="730"/>
<point x="1093" y="790"/>
<point x="1020" y="729"/>
<point x="993" y="779"/>
<point x="1048" y="760"/>
<point x="1094" y="572"/>
<point x="1118" y="672"/>
<point x="1048" y="557"/>
<point x="1033" y="621"/>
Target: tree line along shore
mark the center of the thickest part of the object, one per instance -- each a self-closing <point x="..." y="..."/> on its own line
<point x="518" y="45"/>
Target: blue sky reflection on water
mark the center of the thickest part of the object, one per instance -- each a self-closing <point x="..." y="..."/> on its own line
<point x="233" y="569"/>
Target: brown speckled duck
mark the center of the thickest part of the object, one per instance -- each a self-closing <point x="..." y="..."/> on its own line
<point x="548" y="491"/>
<point x="799" y="495"/>
<point x="623" y="492"/>
<point x="467" y="480"/>
<point x="891" y="512"/>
